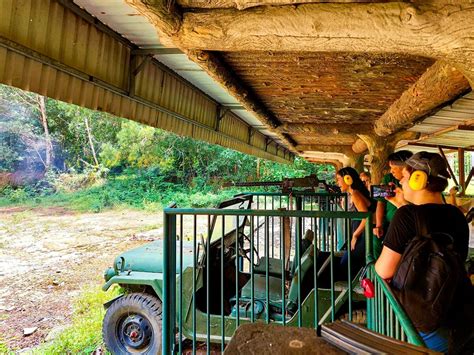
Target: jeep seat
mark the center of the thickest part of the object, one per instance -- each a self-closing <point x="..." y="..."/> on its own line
<point x="307" y="281"/>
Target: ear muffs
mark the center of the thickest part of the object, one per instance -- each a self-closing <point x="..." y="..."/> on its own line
<point x="418" y="180"/>
<point x="348" y="180"/>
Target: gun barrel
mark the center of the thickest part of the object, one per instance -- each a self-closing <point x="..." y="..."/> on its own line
<point x="253" y="183"/>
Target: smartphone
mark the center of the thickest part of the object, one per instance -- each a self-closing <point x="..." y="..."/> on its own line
<point x="382" y="191"/>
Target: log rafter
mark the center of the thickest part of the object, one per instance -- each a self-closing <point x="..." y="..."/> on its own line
<point x="439" y="84"/>
<point x="326" y="129"/>
<point x="431" y="29"/>
<point x="245" y="4"/>
<point x="324" y="148"/>
<point x="437" y="31"/>
<point x="167" y="18"/>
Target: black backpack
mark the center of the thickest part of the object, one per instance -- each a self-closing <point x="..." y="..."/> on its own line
<point x="428" y="277"/>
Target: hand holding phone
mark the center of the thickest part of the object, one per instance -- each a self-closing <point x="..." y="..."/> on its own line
<point x="382" y="191"/>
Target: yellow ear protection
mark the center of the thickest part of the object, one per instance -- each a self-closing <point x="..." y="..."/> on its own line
<point x="348" y="180"/>
<point x="418" y="180"/>
<point x="425" y="164"/>
<point x="346" y="177"/>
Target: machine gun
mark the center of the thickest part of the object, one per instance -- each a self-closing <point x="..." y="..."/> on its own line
<point x="287" y="185"/>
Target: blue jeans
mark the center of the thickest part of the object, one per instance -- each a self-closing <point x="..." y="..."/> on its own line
<point x="436" y="340"/>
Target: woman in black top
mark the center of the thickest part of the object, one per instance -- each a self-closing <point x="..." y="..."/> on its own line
<point x="349" y="181"/>
<point x="423" y="181"/>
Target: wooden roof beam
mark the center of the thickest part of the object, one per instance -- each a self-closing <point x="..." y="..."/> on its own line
<point x="245" y="4"/>
<point x="433" y="30"/>
<point x="337" y="164"/>
<point x="441" y="83"/>
<point x="342" y="149"/>
<point x="167" y="19"/>
<point x="327" y="129"/>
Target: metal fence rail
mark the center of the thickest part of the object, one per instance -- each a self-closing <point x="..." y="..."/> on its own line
<point x="386" y="316"/>
<point x="233" y="265"/>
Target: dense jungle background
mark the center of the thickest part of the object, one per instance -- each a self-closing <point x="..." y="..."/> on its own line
<point x="54" y="153"/>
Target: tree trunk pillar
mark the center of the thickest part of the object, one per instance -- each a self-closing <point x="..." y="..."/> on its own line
<point x="354" y="160"/>
<point x="380" y="148"/>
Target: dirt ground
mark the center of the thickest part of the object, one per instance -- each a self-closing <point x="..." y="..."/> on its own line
<point x="48" y="255"/>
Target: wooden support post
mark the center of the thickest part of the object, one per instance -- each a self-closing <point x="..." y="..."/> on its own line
<point x="220" y="113"/>
<point x="469" y="177"/>
<point x="462" y="176"/>
<point x="134" y="69"/>
<point x="258" y="169"/>
<point x="267" y="143"/>
<point x="380" y="148"/>
<point x="131" y="76"/>
<point x="287" y="240"/>
<point x="251" y="133"/>
<point x="451" y="173"/>
<point x="359" y="162"/>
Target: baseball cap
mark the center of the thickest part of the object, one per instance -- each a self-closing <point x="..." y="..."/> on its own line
<point x="432" y="164"/>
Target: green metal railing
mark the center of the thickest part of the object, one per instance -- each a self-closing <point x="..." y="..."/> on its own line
<point x="239" y="269"/>
<point x="385" y="315"/>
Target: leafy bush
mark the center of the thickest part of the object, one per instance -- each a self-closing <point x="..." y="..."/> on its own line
<point x="76" y="181"/>
<point x="10" y="195"/>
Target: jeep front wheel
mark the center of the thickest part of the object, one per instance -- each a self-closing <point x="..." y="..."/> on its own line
<point x="132" y="324"/>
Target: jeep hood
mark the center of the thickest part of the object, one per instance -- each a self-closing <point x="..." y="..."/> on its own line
<point x="149" y="257"/>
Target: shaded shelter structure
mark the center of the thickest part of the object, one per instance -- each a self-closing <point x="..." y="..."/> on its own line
<point x="331" y="81"/>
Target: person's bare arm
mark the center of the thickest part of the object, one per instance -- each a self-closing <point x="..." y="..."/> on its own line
<point x="452" y="196"/>
<point x="387" y="263"/>
<point x="361" y="205"/>
<point x="379" y="213"/>
<point x="452" y="199"/>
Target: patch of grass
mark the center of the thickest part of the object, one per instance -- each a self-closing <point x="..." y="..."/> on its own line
<point x="4" y="349"/>
<point x="20" y="217"/>
<point x="132" y="190"/>
<point x="84" y="335"/>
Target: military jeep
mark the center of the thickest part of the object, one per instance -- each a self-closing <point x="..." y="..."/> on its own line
<point x="238" y="273"/>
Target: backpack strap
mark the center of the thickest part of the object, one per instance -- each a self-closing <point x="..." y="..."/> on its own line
<point x="420" y="221"/>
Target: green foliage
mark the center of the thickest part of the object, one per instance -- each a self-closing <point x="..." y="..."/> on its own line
<point x="84" y="335"/>
<point x="68" y="125"/>
<point x="136" y="188"/>
<point x="20" y="129"/>
<point x="137" y="166"/>
<point x="300" y="168"/>
<point x="4" y="348"/>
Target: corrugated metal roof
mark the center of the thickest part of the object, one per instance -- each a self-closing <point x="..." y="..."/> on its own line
<point x="125" y="20"/>
<point x="57" y="50"/>
<point x="452" y="126"/>
<point x="110" y="64"/>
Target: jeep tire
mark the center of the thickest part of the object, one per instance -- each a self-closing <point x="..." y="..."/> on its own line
<point x="132" y="324"/>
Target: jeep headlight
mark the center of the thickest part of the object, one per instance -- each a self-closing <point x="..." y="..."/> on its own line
<point x="109" y="273"/>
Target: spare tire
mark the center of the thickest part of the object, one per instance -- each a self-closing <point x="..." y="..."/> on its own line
<point x="132" y="324"/>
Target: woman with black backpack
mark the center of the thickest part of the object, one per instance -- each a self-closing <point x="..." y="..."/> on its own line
<point x="423" y="254"/>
